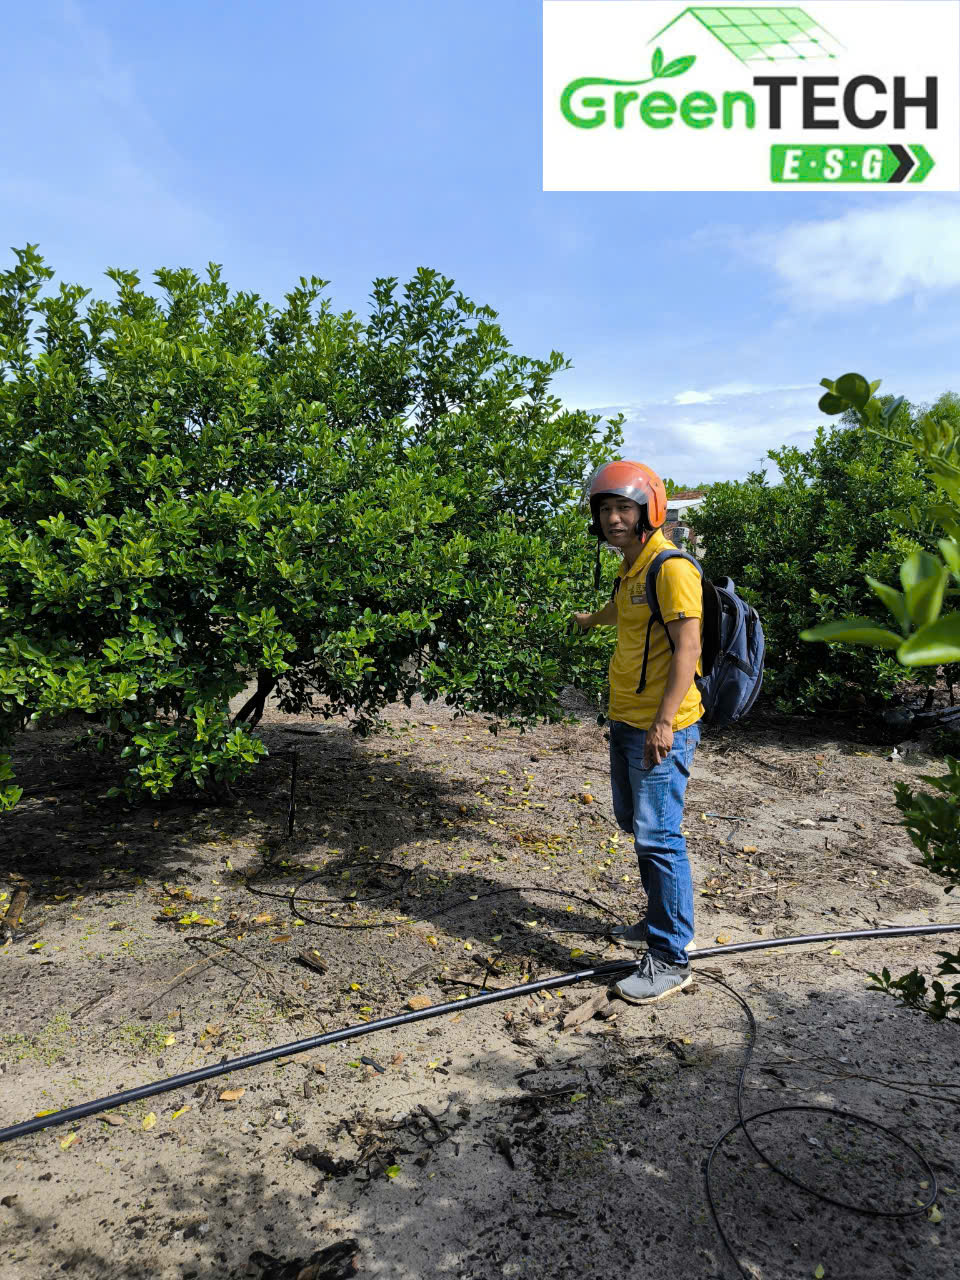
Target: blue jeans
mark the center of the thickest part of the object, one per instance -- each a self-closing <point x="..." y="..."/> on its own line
<point x="648" y="804"/>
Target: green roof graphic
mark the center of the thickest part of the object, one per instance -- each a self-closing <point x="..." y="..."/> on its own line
<point x="764" y="35"/>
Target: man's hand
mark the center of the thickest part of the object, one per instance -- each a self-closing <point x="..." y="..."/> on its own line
<point x="658" y="743"/>
<point x="583" y="620"/>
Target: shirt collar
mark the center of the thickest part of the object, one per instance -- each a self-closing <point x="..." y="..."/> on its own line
<point x="653" y="545"/>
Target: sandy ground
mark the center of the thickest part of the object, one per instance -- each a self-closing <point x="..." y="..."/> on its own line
<point x="494" y="1141"/>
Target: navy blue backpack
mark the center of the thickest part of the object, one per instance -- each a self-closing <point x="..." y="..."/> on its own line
<point x="733" y="646"/>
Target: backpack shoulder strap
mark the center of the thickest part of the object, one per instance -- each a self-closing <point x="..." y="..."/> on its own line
<point x="668" y="553"/>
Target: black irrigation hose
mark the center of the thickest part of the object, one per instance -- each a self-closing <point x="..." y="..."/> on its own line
<point x="743" y="1121"/>
<point x="390" y="924"/>
<point x="434" y="1011"/>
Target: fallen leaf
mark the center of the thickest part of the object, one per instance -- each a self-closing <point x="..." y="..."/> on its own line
<point x="578" y="1097"/>
<point x="418" y="1002"/>
<point x="149" y="1120"/>
<point x="819" y="1273"/>
<point x="171" y="1039"/>
<point x="585" y="1011"/>
<point x="393" y="1170"/>
<point x="180" y="1110"/>
<point x="264" y="919"/>
<point x="282" y="937"/>
<point x="935" y="1215"/>
<point x="232" y="1095"/>
<point x="722" y="938"/>
<point x="111" y="1117"/>
<point x="69" y="1141"/>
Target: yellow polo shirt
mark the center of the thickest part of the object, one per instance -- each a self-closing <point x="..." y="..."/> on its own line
<point x="679" y="596"/>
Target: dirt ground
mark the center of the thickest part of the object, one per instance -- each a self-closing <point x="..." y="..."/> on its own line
<point x="495" y="1141"/>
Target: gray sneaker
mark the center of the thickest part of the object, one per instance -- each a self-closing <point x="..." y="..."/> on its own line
<point x="630" y="935"/>
<point x="652" y="980"/>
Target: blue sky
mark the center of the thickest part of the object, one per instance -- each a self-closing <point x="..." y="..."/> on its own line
<point x="360" y="140"/>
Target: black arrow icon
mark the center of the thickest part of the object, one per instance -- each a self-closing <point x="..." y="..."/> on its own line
<point x="907" y="163"/>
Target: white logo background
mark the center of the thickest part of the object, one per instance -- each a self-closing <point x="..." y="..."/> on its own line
<point x="613" y="39"/>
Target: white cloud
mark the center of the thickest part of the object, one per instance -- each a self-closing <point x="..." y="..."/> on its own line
<point x="866" y="256"/>
<point x="725" y="441"/>
<point x="692" y="397"/>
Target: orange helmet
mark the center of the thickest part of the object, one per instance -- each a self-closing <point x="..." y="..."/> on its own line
<point x="633" y="480"/>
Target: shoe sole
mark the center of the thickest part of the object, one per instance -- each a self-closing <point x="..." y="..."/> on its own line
<point x="662" y="996"/>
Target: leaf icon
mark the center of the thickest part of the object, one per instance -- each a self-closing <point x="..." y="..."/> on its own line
<point x="678" y="66"/>
<point x="656" y="65"/>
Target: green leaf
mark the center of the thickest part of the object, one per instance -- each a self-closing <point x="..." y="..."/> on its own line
<point x="919" y="567"/>
<point x="933" y="644"/>
<point x="892" y="408"/>
<point x="946" y="476"/>
<point x="392" y="1170"/>
<point x="677" y="67"/>
<point x="950" y="550"/>
<point x="656" y="64"/>
<point x="893" y="600"/>
<point x="819" y="1273"/>
<point x="854" y="631"/>
<point x="855" y="388"/>
<point x="925" y="600"/>
<point x="831" y="404"/>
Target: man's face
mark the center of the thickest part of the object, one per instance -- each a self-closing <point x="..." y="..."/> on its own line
<point x="618" y="519"/>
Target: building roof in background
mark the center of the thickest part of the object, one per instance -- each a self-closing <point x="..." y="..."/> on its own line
<point x="684" y="494"/>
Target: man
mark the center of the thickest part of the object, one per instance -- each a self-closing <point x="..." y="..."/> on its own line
<point x="653" y="732"/>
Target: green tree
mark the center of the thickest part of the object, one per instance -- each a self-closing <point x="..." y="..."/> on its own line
<point x="800" y="551"/>
<point x="920" y="635"/>
<point x="673" y="488"/>
<point x="203" y="488"/>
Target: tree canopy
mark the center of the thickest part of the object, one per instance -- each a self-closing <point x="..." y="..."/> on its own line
<point x="200" y="488"/>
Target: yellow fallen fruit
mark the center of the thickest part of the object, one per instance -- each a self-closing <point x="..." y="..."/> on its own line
<point x="749" y="848"/>
<point x="722" y="938"/>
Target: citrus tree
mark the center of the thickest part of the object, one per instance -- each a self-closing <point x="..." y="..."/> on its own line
<point x="804" y="549"/>
<point x="923" y="631"/>
<point x="199" y="489"/>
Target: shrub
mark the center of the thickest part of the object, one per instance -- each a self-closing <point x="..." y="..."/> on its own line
<point x="202" y="489"/>
<point x="801" y="550"/>
<point x="925" y="637"/>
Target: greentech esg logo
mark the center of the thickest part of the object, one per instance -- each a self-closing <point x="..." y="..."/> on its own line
<point x="842" y="129"/>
